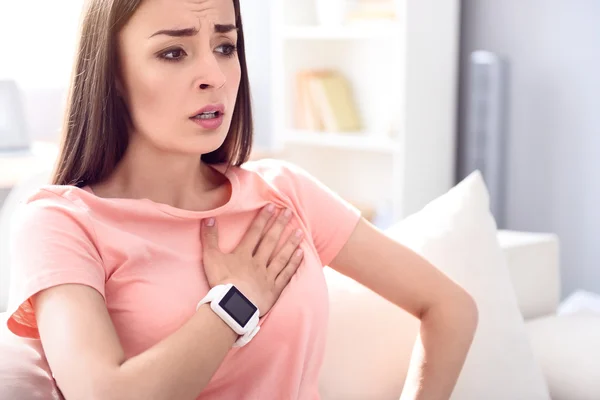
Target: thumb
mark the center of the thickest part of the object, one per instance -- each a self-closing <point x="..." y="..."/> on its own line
<point x="210" y="234"/>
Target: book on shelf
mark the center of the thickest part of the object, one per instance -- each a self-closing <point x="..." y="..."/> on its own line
<point x="325" y="102"/>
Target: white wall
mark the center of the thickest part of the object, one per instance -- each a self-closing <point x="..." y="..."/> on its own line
<point x="553" y="177"/>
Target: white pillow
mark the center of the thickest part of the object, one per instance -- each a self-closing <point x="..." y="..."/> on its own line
<point x="369" y="339"/>
<point x="568" y="348"/>
<point x="24" y="371"/>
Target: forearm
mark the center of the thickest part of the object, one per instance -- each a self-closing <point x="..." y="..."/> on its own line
<point x="181" y="365"/>
<point x="445" y="337"/>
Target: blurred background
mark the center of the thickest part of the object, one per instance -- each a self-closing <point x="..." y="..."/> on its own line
<point x="388" y="102"/>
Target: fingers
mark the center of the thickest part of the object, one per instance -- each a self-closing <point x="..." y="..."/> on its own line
<point x="209" y="234"/>
<point x="268" y="243"/>
<point x="284" y="255"/>
<point x="290" y="269"/>
<point x="254" y="233"/>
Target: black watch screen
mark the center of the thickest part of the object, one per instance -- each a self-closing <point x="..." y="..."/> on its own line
<point x="238" y="306"/>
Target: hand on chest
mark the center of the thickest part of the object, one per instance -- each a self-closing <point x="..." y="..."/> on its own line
<point x="156" y="284"/>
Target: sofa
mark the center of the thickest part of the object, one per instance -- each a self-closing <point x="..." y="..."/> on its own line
<point x="561" y="344"/>
<point x="522" y="350"/>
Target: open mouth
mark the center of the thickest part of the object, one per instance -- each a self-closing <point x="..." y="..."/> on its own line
<point x="208" y="115"/>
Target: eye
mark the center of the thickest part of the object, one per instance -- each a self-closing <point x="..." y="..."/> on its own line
<point x="173" y="55"/>
<point x="227" y="50"/>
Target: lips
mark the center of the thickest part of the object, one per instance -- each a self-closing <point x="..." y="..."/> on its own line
<point x="218" y="109"/>
<point x="210" y="117"/>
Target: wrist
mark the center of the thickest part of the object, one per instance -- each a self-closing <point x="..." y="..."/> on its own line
<point x="222" y="329"/>
<point x="221" y="325"/>
<point x="235" y="309"/>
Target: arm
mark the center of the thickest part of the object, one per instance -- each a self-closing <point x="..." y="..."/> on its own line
<point x="73" y="320"/>
<point x="83" y="348"/>
<point x="448" y="314"/>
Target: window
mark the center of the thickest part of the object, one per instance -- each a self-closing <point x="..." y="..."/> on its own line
<point x="37" y="40"/>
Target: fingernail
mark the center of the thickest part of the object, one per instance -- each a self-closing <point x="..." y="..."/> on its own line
<point x="210" y="222"/>
<point x="288" y="213"/>
<point x="299" y="233"/>
<point x="271" y="208"/>
<point x="299" y="253"/>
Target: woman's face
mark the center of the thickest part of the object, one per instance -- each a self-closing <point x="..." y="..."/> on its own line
<point x="178" y="57"/>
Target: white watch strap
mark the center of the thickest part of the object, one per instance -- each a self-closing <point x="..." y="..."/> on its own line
<point x="245" y="339"/>
<point x="213" y="294"/>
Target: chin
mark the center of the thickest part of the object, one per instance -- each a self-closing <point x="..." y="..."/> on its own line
<point x="204" y="143"/>
<point x="192" y="141"/>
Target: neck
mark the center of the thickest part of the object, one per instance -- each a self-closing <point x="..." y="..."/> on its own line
<point x="177" y="179"/>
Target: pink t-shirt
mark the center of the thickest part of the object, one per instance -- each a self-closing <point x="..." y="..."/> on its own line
<point x="145" y="258"/>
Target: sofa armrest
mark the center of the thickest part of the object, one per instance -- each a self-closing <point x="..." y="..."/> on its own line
<point x="568" y="350"/>
<point x="534" y="266"/>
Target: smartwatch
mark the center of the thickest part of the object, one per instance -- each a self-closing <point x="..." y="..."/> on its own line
<point x="235" y="309"/>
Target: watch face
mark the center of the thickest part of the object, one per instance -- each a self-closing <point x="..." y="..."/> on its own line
<point x="238" y="306"/>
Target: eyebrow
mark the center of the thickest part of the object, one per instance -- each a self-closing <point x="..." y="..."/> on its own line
<point x="186" y="32"/>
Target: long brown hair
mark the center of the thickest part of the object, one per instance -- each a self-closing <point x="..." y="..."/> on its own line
<point x="95" y="125"/>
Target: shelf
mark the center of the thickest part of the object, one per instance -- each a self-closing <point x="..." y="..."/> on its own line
<point x="349" y="141"/>
<point x="383" y="30"/>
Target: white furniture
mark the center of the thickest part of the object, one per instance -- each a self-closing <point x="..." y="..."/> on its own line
<point x="457" y="234"/>
<point x="21" y="173"/>
<point x="403" y="74"/>
<point x="16" y="166"/>
<point x="38" y="175"/>
<point x="567" y="346"/>
<point x="522" y="349"/>
<point x="533" y="263"/>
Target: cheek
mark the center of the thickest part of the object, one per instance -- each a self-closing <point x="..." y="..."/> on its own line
<point x="148" y="93"/>
<point x="153" y="102"/>
<point x="233" y="74"/>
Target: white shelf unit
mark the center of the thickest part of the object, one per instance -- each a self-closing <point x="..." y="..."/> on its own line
<point x="343" y="32"/>
<point x="403" y="75"/>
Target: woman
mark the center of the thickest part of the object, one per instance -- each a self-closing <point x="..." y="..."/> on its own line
<point x="137" y="228"/>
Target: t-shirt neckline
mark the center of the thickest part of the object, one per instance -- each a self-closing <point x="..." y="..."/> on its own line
<point x="226" y="170"/>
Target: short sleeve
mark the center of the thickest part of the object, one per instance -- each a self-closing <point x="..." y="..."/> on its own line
<point x="330" y="218"/>
<point x="52" y="243"/>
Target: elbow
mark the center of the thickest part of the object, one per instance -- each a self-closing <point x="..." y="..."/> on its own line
<point x="459" y="309"/>
<point x="114" y="387"/>
<point x="121" y="385"/>
<point x="456" y="311"/>
<point x="467" y="312"/>
<point x="107" y="392"/>
<point x="95" y="386"/>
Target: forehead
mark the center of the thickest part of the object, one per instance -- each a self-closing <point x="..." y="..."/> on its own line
<point x="184" y="13"/>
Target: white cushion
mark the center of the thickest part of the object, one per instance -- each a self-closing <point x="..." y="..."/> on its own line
<point x="370" y="340"/>
<point x="24" y="371"/>
<point x="568" y="348"/>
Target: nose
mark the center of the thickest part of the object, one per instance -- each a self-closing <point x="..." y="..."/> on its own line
<point x="211" y="75"/>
